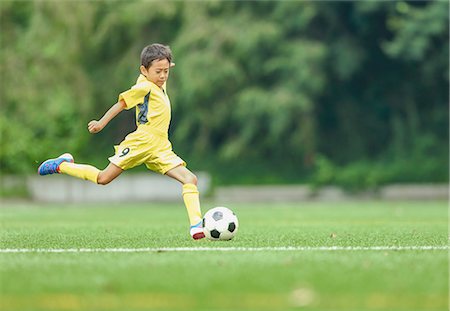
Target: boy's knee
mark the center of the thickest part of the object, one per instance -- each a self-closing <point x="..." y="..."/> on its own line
<point x="191" y="179"/>
<point x="103" y="180"/>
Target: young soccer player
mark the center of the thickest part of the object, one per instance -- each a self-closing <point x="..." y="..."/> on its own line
<point x="149" y="144"/>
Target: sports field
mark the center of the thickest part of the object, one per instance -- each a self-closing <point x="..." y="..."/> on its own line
<point x="306" y="256"/>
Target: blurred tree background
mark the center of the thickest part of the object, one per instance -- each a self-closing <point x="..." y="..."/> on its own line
<point x="349" y="93"/>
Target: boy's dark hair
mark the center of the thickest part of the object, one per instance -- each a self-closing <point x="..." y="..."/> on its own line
<point x="155" y="51"/>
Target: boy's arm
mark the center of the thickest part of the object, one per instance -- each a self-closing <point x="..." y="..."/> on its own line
<point x="96" y="126"/>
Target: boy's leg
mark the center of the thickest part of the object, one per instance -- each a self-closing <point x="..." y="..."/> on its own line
<point x="83" y="171"/>
<point x="65" y="164"/>
<point x="109" y="174"/>
<point x="191" y="198"/>
<point x="89" y="172"/>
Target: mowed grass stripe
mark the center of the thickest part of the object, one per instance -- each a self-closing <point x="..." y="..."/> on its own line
<point x="225" y="249"/>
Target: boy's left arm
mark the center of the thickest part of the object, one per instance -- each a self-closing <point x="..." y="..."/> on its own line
<point x="96" y="126"/>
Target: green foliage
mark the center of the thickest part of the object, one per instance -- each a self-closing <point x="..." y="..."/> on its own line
<point x="265" y="87"/>
<point x="412" y="40"/>
<point x="424" y="163"/>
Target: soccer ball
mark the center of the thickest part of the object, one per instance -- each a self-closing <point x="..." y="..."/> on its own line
<point x="220" y="224"/>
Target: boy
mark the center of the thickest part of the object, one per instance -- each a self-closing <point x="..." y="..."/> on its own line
<point x="149" y="144"/>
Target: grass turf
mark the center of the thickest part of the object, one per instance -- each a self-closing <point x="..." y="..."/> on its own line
<point x="235" y="280"/>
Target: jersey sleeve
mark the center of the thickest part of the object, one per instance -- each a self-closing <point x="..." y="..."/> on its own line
<point x="135" y="95"/>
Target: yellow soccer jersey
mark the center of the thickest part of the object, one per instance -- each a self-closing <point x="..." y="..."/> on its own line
<point x="152" y="105"/>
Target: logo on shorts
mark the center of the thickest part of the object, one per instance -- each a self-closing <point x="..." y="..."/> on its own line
<point x="125" y="152"/>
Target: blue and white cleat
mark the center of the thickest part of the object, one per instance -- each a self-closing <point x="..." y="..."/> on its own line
<point x="197" y="231"/>
<point x="51" y="166"/>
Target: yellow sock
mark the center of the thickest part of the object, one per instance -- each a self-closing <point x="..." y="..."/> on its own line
<point x="82" y="171"/>
<point x="192" y="201"/>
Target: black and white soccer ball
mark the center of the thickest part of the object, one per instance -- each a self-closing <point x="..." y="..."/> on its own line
<point x="220" y="224"/>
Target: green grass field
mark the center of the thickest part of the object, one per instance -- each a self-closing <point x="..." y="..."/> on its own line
<point x="251" y="276"/>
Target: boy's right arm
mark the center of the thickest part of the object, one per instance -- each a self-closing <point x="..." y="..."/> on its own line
<point x="96" y="126"/>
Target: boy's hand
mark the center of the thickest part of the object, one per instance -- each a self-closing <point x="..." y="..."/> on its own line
<point x="94" y="126"/>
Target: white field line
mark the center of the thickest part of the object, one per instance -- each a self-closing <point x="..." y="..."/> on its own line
<point x="224" y="249"/>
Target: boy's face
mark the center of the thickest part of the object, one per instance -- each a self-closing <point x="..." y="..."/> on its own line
<point x="158" y="72"/>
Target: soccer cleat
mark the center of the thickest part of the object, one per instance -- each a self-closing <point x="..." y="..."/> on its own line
<point x="197" y="231"/>
<point x="51" y="166"/>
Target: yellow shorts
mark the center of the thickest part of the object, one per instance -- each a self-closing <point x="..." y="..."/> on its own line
<point x="144" y="147"/>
